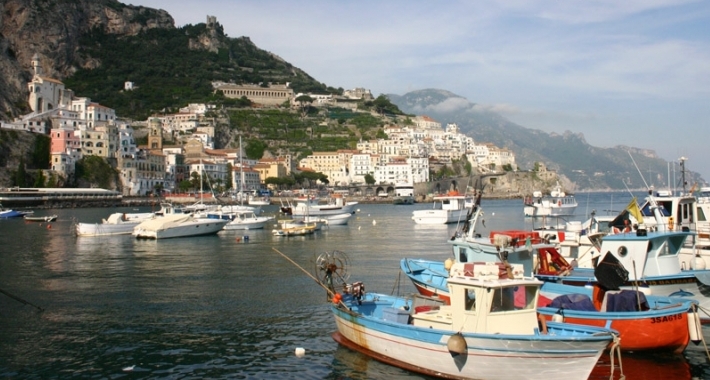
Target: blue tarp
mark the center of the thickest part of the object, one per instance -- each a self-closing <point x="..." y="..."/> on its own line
<point x="626" y="300"/>
<point x="573" y="301"/>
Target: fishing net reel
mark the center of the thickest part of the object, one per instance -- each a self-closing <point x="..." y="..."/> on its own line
<point x="331" y="269"/>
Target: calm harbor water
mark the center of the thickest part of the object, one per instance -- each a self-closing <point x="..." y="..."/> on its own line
<point x="219" y="307"/>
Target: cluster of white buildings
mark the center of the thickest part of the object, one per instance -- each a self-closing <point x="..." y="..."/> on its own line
<point x="406" y="155"/>
<point x="80" y="127"/>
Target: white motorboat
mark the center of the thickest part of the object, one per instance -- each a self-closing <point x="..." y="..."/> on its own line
<point x="450" y="208"/>
<point x="247" y="220"/>
<point x="557" y="203"/>
<point x="335" y="204"/>
<point x="259" y="201"/>
<point x="335" y="220"/>
<point x="122" y="223"/>
<point x="116" y="224"/>
<point x="172" y="226"/>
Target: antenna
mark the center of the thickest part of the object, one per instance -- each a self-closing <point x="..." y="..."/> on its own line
<point x="639" y="170"/>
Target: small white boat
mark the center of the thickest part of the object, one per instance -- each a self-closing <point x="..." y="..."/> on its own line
<point x="557" y="203"/>
<point x="259" y="201"/>
<point x="336" y="220"/>
<point x="116" y="224"/>
<point x="334" y="205"/>
<point x="122" y="223"/>
<point x="403" y="194"/>
<point x="450" y="208"/>
<point x="247" y="220"/>
<point x="172" y="226"/>
<point x="45" y="218"/>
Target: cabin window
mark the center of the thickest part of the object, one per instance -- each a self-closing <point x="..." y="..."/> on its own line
<point x="470" y="300"/>
<point x="701" y="215"/>
<point x="623" y="251"/>
<point x="513" y="298"/>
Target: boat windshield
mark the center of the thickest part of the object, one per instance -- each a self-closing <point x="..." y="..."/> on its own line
<point x="514" y="298"/>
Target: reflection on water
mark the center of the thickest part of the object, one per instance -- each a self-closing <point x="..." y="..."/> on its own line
<point x="212" y="306"/>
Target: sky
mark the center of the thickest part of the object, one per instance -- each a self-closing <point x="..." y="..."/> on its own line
<point x="632" y="72"/>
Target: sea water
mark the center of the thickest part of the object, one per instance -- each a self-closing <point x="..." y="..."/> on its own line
<point x="225" y="307"/>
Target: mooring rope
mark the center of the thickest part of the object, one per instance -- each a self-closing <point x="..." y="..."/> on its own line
<point x="18" y="299"/>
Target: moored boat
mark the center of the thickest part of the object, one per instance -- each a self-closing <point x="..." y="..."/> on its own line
<point x="44" y="218"/>
<point x="333" y="205"/>
<point x="449" y="208"/>
<point x="557" y="203"/>
<point x="246" y="220"/>
<point x="644" y="322"/>
<point x="173" y="226"/>
<point x="297" y="230"/>
<point x="490" y="330"/>
<point x="9" y="213"/>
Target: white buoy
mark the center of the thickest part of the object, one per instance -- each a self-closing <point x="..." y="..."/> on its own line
<point x="374" y="222"/>
<point x="698" y="263"/>
<point x="694" y="327"/>
<point x="359" y="227"/>
<point x="493" y="214"/>
<point x="300" y="351"/>
<point x="358" y="210"/>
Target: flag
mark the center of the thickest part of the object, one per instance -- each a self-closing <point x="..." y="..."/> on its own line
<point x="633" y="209"/>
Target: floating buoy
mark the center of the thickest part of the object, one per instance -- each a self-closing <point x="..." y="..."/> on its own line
<point x="49" y="226"/>
<point x="300" y="351"/>
<point x="374" y="222"/>
<point x="698" y="263"/>
<point x="493" y="214"/>
<point x="239" y="239"/>
<point x="457" y="345"/>
<point x="558" y="317"/>
<point x="694" y="327"/>
<point x="359" y="227"/>
<point x="448" y="264"/>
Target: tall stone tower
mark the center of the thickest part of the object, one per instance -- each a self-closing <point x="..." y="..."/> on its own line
<point x="36" y="65"/>
<point x="155" y="134"/>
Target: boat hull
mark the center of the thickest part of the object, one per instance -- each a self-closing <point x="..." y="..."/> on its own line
<point x="438" y="216"/>
<point x="105" y="229"/>
<point x="301" y="209"/>
<point x="196" y="227"/>
<point x="489" y="356"/>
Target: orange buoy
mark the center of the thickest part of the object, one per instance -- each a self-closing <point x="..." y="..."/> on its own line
<point x="49" y="226"/>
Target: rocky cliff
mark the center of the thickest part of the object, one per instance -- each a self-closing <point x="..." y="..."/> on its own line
<point x="53" y="29"/>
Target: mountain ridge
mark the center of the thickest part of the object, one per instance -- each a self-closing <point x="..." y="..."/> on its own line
<point x="568" y="153"/>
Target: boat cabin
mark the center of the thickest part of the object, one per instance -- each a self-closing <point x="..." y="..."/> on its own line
<point x="485" y="300"/>
<point x="647" y="254"/>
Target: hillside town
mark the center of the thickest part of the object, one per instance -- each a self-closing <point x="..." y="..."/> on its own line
<point x="80" y="127"/>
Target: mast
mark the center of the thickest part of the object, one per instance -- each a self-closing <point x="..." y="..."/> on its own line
<point x="241" y="173"/>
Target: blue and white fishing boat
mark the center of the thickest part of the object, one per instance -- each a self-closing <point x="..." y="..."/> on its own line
<point x="490" y="330"/>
